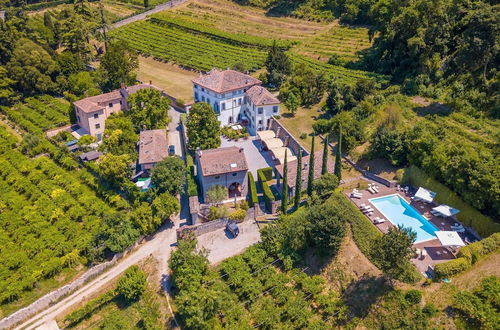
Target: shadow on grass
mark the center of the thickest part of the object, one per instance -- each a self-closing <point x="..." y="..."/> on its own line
<point x="360" y="295"/>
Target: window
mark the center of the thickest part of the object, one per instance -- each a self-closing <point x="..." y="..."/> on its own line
<point x="260" y="121"/>
<point x="195" y="86"/>
<point x="203" y="98"/>
<point x="230" y="120"/>
<point x="275" y="109"/>
<point x="96" y="115"/>
<point x="223" y="106"/>
<point x="239" y="101"/>
<point x="202" y="89"/>
<point x="217" y="177"/>
<point x="97" y="126"/>
<point x="78" y="118"/>
<point x="260" y="111"/>
<point x="234" y="174"/>
<point x="110" y="105"/>
<point x="196" y="96"/>
<point x="121" y="102"/>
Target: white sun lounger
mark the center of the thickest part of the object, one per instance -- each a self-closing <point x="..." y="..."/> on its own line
<point x="378" y="220"/>
<point x="374" y="187"/>
<point x="367" y="210"/>
<point x="356" y="196"/>
<point x="370" y="189"/>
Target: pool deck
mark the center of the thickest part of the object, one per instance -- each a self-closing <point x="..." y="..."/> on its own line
<point x="436" y="253"/>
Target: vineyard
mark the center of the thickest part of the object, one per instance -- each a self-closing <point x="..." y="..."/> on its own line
<point x="37" y="115"/>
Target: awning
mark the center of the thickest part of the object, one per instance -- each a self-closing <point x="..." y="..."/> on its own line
<point x="266" y="135"/>
<point x="445" y="210"/>
<point x="425" y="195"/>
<point x="273" y="143"/>
<point x="279" y="154"/>
<point x="449" y="238"/>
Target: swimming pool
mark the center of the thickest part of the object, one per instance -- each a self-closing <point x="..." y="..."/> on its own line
<point x="399" y="212"/>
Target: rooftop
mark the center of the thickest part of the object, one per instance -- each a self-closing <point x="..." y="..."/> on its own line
<point x="98" y="102"/>
<point x="225" y="81"/>
<point x="258" y="95"/>
<point x="292" y="168"/>
<point x="222" y="161"/>
<point x="153" y="146"/>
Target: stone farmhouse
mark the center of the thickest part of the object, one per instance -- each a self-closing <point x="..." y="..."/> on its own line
<point x="236" y="98"/>
<point x="223" y="166"/>
<point x="153" y="148"/>
<point x="92" y="112"/>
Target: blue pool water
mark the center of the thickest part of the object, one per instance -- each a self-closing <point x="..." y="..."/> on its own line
<point x="399" y="212"/>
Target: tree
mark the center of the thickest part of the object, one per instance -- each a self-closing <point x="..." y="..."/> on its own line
<point x="85" y="141"/>
<point x="114" y="168"/>
<point x="310" y="175"/>
<point x="278" y="66"/>
<point x="146" y="3"/>
<point x="325" y="185"/>
<point x="144" y="219"/>
<point x="119" y="136"/>
<point x="119" y="232"/>
<point x="327" y="227"/>
<point x="31" y="68"/>
<point x="324" y="163"/>
<point x="284" y="191"/>
<point x="393" y="251"/>
<point x="298" y="181"/>
<point x="118" y="66"/>
<point x="203" y="127"/>
<point x="132" y="284"/>
<point x="338" y="156"/>
<point x="164" y="206"/>
<point x="7" y="93"/>
<point x="290" y="96"/>
<point x="169" y="175"/>
<point x="148" y="109"/>
<point x="82" y="84"/>
<point x="216" y="194"/>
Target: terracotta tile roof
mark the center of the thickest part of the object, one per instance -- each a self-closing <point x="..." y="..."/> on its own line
<point x="225" y="81"/>
<point x="222" y="160"/>
<point x="292" y="169"/>
<point x="153" y="146"/>
<point x="98" y="102"/>
<point x="261" y="96"/>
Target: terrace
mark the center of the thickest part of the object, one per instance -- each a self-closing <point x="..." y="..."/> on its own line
<point x="429" y="252"/>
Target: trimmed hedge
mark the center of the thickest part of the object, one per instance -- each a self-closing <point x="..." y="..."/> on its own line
<point x="192" y="187"/>
<point x="266" y="191"/>
<point x="468" y="215"/>
<point x="89" y="308"/>
<point x="252" y="190"/>
<point x="268" y="172"/>
<point x="468" y="256"/>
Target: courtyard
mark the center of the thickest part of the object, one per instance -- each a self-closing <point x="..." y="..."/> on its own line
<point x="256" y="159"/>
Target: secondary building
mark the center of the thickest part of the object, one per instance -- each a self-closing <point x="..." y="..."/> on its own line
<point x="236" y="98"/>
<point x="223" y="166"/>
<point x="153" y="148"/>
<point x="92" y="112"/>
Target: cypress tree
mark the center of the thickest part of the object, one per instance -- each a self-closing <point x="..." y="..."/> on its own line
<point x="298" y="181"/>
<point x="338" y="156"/>
<point x="284" y="191"/>
<point x="310" y="176"/>
<point x="324" y="165"/>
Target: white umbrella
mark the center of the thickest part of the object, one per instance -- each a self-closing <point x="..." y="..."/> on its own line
<point x="449" y="238"/>
<point x="445" y="210"/>
<point x="425" y="195"/>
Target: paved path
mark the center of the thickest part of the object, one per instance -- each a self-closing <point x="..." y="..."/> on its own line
<point x="174" y="131"/>
<point x="138" y="17"/>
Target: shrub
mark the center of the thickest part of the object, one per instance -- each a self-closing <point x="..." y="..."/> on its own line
<point x="430" y="310"/>
<point x="238" y="215"/>
<point x="132" y="284"/>
<point x="303" y="136"/>
<point x="192" y="187"/>
<point x="215" y="213"/>
<point x="252" y="189"/>
<point x="243" y="205"/>
<point x="413" y="297"/>
<point x="266" y="191"/>
<point x="451" y="268"/>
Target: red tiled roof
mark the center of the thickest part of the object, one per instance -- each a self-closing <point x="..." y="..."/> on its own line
<point x="153" y="146"/>
<point x="222" y="160"/>
<point x="292" y="169"/>
<point x="258" y="95"/>
<point x="98" y="102"/>
<point x="225" y="81"/>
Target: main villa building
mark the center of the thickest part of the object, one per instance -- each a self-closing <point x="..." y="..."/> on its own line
<point x="237" y="98"/>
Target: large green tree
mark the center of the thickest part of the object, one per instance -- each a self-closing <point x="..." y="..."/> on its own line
<point x="119" y="136"/>
<point x="115" y="168"/>
<point x="118" y="66"/>
<point x="203" y="127"/>
<point x="327" y="227"/>
<point x="278" y="66"/>
<point x="169" y="175"/>
<point x="148" y="108"/>
<point x="132" y="284"/>
<point x="165" y="205"/>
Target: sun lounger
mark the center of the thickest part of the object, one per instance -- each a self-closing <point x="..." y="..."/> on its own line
<point x="370" y="189"/>
<point x="375" y="188"/>
<point x="356" y="196"/>
<point x="398" y="187"/>
<point x="378" y="220"/>
<point x="368" y="210"/>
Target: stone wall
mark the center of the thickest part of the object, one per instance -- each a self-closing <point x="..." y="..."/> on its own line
<point x="288" y="139"/>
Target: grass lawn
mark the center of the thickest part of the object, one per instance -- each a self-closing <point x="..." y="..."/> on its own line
<point x="301" y="123"/>
<point x="173" y="79"/>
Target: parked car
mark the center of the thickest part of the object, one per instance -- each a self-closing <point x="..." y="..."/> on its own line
<point x="171" y="150"/>
<point x="232" y="227"/>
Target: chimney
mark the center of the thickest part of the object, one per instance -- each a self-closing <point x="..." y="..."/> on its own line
<point x="150" y="82"/>
<point x="242" y="149"/>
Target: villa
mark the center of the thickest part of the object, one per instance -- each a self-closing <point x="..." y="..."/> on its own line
<point x="237" y="98"/>
<point x="153" y="148"/>
<point x="223" y="166"/>
<point x="92" y="112"/>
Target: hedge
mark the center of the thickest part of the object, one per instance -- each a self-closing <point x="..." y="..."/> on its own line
<point x="468" y="256"/>
<point x="252" y="189"/>
<point x="468" y="215"/>
<point x="192" y="187"/>
<point x="89" y="308"/>
<point x="268" y="172"/>
<point x="266" y="191"/>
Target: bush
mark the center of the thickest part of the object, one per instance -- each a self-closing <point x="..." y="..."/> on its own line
<point x="215" y="212"/>
<point x="238" y="215"/>
<point x="132" y="284"/>
<point x="243" y="205"/>
<point x="413" y="297"/>
<point x="468" y="215"/>
<point x="266" y="191"/>
<point x="192" y="187"/>
<point x="303" y="136"/>
<point x="252" y="189"/>
<point x="451" y="268"/>
<point x="430" y="310"/>
<point x="89" y="308"/>
<point x="268" y="172"/>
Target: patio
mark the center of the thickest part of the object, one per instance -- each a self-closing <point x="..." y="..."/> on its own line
<point x="435" y="252"/>
<point x="251" y="147"/>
